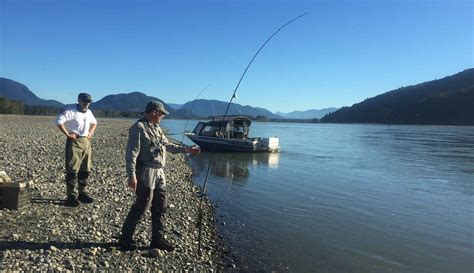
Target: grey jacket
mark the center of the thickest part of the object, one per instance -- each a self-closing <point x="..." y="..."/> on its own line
<point x="147" y="145"/>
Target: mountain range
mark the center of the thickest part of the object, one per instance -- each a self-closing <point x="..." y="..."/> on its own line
<point x="175" y="106"/>
<point x="131" y="102"/>
<point x="205" y="108"/>
<point x="308" y="114"/>
<point x="19" y="92"/>
<point x="449" y="100"/>
<point x="135" y="102"/>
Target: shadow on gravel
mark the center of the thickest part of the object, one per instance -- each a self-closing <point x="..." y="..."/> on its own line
<point x="8" y="245"/>
<point x="60" y="202"/>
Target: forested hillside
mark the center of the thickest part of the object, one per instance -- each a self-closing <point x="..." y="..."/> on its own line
<point x="448" y="101"/>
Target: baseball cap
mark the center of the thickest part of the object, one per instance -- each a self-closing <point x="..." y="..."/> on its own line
<point x="85" y="97"/>
<point x="155" y="105"/>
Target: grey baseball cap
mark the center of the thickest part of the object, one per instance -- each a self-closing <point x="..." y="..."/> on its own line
<point x="85" y="97"/>
<point x="155" y="105"/>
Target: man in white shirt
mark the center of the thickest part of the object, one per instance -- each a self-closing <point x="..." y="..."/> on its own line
<point x="78" y="125"/>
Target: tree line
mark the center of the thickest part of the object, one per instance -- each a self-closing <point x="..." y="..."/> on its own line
<point x="13" y="107"/>
<point x="448" y="101"/>
<point x="18" y="108"/>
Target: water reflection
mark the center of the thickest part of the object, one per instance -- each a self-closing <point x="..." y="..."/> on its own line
<point x="234" y="167"/>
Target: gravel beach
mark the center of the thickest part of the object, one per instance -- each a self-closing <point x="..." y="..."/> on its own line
<point x="46" y="235"/>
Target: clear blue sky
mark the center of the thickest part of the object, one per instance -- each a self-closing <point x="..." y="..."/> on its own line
<point x="342" y="52"/>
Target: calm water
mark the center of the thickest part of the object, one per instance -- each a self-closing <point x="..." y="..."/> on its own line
<point x="347" y="198"/>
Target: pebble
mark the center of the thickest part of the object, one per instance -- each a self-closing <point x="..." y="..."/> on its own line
<point x="54" y="237"/>
<point x="154" y="252"/>
<point x="92" y="266"/>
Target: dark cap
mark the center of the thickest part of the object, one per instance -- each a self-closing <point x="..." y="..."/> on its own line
<point x="155" y="105"/>
<point x="85" y="97"/>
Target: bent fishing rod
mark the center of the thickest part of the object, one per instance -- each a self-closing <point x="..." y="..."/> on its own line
<point x="203" y="192"/>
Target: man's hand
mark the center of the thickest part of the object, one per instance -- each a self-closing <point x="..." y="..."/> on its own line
<point x="194" y="150"/>
<point x="90" y="134"/>
<point x="132" y="183"/>
<point x="71" y="136"/>
<point x="63" y="129"/>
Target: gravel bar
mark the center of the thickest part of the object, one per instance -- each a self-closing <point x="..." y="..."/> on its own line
<point x="46" y="235"/>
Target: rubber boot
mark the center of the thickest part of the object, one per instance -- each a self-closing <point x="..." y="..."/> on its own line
<point x="71" y="193"/>
<point x="126" y="241"/>
<point x="83" y="196"/>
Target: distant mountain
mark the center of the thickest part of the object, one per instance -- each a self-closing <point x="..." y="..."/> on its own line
<point x="19" y="92"/>
<point x="130" y="102"/>
<point x="308" y="114"/>
<point x="175" y="106"/>
<point x="447" y="101"/>
<point x="205" y="108"/>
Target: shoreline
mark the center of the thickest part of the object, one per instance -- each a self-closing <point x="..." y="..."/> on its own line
<point x="46" y="235"/>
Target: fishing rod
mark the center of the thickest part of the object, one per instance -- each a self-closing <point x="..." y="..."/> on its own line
<point x="203" y="192"/>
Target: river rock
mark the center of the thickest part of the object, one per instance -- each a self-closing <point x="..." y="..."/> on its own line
<point x="4" y="177"/>
<point x="155" y="252"/>
<point x="84" y="238"/>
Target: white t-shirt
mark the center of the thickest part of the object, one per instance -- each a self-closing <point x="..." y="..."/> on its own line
<point x="76" y="121"/>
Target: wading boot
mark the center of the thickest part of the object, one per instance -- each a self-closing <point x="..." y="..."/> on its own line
<point x="71" y="201"/>
<point x="81" y="185"/>
<point x="127" y="244"/>
<point x="71" y="193"/>
<point x="162" y="244"/>
<point x="126" y="241"/>
<point x="85" y="198"/>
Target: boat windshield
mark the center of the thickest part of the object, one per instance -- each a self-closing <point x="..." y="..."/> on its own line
<point x="213" y="131"/>
<point x="237" y="128"/>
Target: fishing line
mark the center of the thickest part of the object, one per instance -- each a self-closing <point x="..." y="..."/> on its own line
<point x="188" y="115"/>
<point x="203" y="192"/>
<point x="191" y="110"/>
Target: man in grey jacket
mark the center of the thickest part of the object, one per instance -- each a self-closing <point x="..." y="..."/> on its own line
<point x="145" y="158"/>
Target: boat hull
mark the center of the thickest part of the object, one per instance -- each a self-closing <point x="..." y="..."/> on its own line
<point x="234" y="145"/>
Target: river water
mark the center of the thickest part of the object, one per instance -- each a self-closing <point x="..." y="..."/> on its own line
<point x="347" y="198"/>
